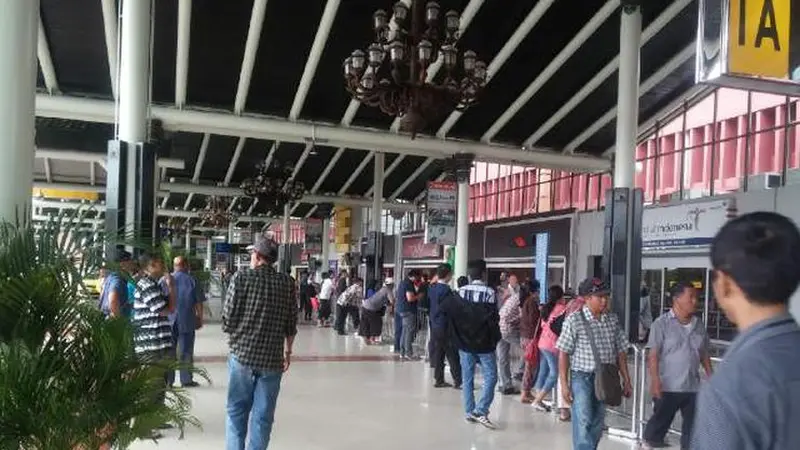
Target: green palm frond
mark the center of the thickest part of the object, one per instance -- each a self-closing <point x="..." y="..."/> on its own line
<point x="69" y="377"/>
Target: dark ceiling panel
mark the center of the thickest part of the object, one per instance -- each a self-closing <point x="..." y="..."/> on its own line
<point x="218" y="157"/>
<point x="404" y="170"/>
<point x="219" y="33"/>
<point x="165" y="37"/>
<point x="73" y="135"/>
<point x="302" y="209"/>
<point x="327" y="99"/>
<point x="288" y="153"/>
<point x="185" y="146"/>
<point x="39" y="78"/>
<point x="657" y="52"/>
<point x="286" y="40"/>
<point x="255" y="151"/>
<point x="421" y="182"/>
<point x="345" y="167"/>
<point x="555" y="29"/>
<point x="315" y="164"/>
<point x="77" y="45"/>
<point x="366" y="180"/>
<point x="176" y="201"/>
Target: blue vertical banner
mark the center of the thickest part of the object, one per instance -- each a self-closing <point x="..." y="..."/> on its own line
<point x="541" y="257"/>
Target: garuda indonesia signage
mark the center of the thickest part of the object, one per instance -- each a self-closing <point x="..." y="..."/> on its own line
<point x="685" y="225"/>
<point x="750" y="44"/>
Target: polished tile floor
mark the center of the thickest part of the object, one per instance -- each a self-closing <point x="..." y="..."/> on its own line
<point x="342" y="395"/>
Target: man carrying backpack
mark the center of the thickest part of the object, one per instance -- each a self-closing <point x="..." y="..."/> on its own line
<point x="474" y="321"/>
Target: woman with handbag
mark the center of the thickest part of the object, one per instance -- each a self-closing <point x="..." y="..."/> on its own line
<point x="529" y="331"/>
<point x="552" y="319"/>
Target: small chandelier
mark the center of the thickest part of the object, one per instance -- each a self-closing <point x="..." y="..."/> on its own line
<point x="176" y="225"/>
<point x="216" y="214"/>
<point x="273" y="187"/>
<point x="393" y="73"/>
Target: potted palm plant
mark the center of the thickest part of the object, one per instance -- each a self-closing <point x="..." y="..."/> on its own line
<point x="69" y="378"/>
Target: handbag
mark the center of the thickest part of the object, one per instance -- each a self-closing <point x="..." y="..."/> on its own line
<point x="532" y="350"/>
<point x="557" y="324"/>
<point x="607" y="382"/>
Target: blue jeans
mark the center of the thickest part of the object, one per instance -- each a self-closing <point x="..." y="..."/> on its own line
<point x="488" y="363"/>
<point x="252" y="395"/>
<point x="183" y="345"/>
<point x="398" y="332"/>
<point x="408" y="333"/>
<point x="548" y="371"/>
<point x="588" y="412"/>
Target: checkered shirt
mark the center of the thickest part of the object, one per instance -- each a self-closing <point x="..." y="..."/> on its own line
<point x="260" y="313"/>
<point x="574" y="340"/>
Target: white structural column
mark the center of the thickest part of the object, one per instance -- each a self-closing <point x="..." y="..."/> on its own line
<point x="209" y="252"/>
<point x="326" y="242"/>
<point x="188" y="242"/>
<point x="19" y="27"/>
<point x="628" y="95"/>
<point x="463" y="169"/>
<point x="134" y="91"/>
<point x="377" y="193"/>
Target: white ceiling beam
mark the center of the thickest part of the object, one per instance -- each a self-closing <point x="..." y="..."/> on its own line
<point x="356" y="173"/>
<point x="198" y="167"/>
<point x="182" y="51"/>
<point x="252" y="206"/>
<point x="411" y="179"/>
<point x="234" y="160"/>
<point x="271" y="153"/>
<point x="92" y="174"/>
<point x="653" y="29"/>
<point x="387" y="172"/>
<point x="232" y="204"/>
<point x="310" y="212"/>
<point x="321" y="178"/>
<point x="502" y="56"/>
<point x="555" y="65"/>
<point x="46" y="61"/>
<point x="270" y="128"/>
<point x="667" y="69"/>
<point x="302" y="160"/>
<point x="99" y="158"/>
<point x="250" y="51"/>
<point x="47" y="172"/>
<point x="469" y="13"/>
<point x="320" y="39"/>
<point x="110" y="20"/>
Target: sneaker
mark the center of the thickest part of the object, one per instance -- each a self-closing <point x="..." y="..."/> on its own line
<point x="457" y="386"/>
<point x="541" y="407"/>
<point x="191" y="384"/>
<point x="509" y="391"/>
<point x="471" y="418"/>
<point x="484" y="420"/>
<point x="442" y="384"/>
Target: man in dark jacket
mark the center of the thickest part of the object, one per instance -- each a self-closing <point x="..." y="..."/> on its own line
<point x="440" y="341"/>
<point x="474" y="322"/>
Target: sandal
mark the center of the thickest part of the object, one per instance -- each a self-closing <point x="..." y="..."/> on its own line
<point x="564" y="416"/>
<point x="526" y="399"/>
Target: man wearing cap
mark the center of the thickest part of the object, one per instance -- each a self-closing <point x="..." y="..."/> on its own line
<point x="260" y="318"/>
<point x="577" y="364"/>
<point x="114" y="300"/>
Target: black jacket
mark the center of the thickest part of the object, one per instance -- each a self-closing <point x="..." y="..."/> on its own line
<point x="473" y="327"/>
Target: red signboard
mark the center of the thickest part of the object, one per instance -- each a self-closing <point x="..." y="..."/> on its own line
<point x="416" y="248"/>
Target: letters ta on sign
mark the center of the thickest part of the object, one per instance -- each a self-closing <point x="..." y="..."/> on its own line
<point x="750" y="44"/>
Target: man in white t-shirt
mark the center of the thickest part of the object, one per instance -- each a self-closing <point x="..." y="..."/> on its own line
<point x="326" y="292"/>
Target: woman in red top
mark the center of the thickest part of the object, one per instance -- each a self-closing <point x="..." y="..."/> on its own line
<point x="529" y="297"/>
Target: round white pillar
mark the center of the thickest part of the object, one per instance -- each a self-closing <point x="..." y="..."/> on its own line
<point x="209" y="252"/>
<point x="326" y="244"/>
<point x="377" y="192"/>
<point x="630" y="39"/>
<point x="18" y="39"/>
<point x="462" y="230"/>
<point x="134" y="72"/>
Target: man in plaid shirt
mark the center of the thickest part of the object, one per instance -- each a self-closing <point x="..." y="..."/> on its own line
<point x="260" y="318"/>
<point x="577" y="362"/>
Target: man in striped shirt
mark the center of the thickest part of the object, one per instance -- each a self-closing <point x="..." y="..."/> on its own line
<point x="152" y="339"/>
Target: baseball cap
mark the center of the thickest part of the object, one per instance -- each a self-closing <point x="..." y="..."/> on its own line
<point x="593" y="286"/>
<point x="264" y="247"/>
<point x="388" y="281"/>
<point x="123" y="256"/>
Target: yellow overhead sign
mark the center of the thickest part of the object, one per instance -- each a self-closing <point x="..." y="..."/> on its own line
<point x="70" y="195"/>
<point x="759" y="38"/>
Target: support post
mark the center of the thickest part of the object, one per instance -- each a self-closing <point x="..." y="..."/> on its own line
<point x="188" y="242"/>
<point x="326" y="243"/>
<point x="373" y="257"/>
<point x="284" y="253"/>
<point x="209" y="252"/>
<point x="19" y="28"/>
<point x="461" y="167"/>
<point x="630" y="39"/>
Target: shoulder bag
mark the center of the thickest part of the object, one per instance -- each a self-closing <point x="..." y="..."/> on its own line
<point x="607" y="382"/>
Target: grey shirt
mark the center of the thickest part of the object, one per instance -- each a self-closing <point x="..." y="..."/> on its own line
<point x="680" y="349"/>
<point x="378" y="300"/>
<point x="751" y="402"/>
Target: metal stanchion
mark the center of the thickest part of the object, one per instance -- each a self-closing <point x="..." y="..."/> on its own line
<point x="632" y="434"/>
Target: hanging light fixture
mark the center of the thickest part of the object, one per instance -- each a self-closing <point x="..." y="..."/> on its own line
<point x="393" y="73"/>
<point x="216" y="214"/>
<point x="274" y="187"/>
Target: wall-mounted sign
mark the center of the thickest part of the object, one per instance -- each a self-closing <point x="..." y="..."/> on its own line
<point x="750" y="44"/>
<point x="683" y="225"/>
<point x="442" y="203"/>
<point x="415" y="247"/>
<point x="541" y="257"/>
<point x="314" y="236"/>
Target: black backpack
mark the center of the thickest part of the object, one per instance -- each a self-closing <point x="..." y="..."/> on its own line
<point x="473" y="327"/>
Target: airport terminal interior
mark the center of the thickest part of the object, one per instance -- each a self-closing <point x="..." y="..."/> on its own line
<point x="374" y="138"/>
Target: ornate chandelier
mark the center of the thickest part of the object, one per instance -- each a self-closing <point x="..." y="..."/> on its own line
<point x="176" y="225"/>
<point x="273" y="187"/>
<point x="393" y="73"/>
<point x="216" y="214"/>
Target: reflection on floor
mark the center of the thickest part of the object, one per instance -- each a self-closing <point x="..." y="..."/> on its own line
<point x="339" y="394"/>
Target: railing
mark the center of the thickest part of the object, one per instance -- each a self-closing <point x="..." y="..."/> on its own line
<point x="422" y="337"/>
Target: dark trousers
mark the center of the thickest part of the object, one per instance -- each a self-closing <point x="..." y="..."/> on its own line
<point x="342" y="312"/>
<point x="324" y="311"/>
<point x="664" y="410"/>
<point x="441" y="349"/>
<point x="398" y="332"/>
<point x="183" y="351"/>
<point x="307" y="308"/>
<point x="160" y="357"/>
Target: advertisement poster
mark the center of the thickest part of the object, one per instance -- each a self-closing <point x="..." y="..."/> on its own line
<point x="442" y="204"/>
<point x="540" y="260"/>
<point x="313" y="244"/>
